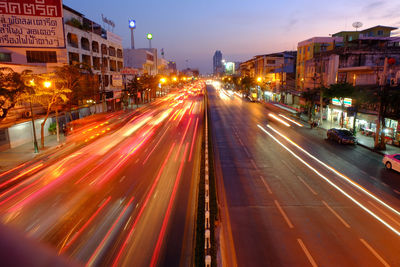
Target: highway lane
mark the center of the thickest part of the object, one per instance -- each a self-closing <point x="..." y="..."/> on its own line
<point x="127" y="197"/>
<point x="286" y="207"/>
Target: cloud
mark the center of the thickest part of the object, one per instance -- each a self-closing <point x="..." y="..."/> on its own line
<point x="291" y="24"/>
<point x="370" y="7"/>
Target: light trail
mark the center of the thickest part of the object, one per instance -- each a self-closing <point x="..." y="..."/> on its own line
<point x="347" y="179"/>
<point x="11" y="170"/>
<point x="169" y="209"/>
<point x="149" y="194"/>
<point x="20" y="175"/>
<point x="78" y="233"/>
<point x="101" y="245"/>
<point x="159" y="140"/>
<point x="183" y="138"/>
<point x="331" y="183"/>
<point x="295" y="122"/>
<point x="194" y="139"/>
<point x="278" y="119"/>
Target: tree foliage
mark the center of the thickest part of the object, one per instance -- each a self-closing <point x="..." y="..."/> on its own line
<point x="12" y="87"/>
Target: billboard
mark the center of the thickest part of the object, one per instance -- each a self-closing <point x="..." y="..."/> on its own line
<point x="31" y="23"/>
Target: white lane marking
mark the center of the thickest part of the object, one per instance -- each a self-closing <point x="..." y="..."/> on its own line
<point x="254" y="164"/>
<point x="288" y="166"/>
<point x="309" y="187"/>
<point x="385" y="213"/>
<point x="338" y="188"/>
<point x="266" y="185"/>
<point x="374" y="252"/>
<point x="305" y="250"/>
<point x="284" y="214"/>
<point x="122" y="178"/>
<point x="137" y="160"/>
<point x="336" y="214"/>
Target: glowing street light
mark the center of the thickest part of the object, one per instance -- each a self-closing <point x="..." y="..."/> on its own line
<point x="163" y="80"/>
<point x="174" y="79"/>
<point x="132" y="26"/>
<point x="47" y="84"/>
<point x="149" y="37"/>
<point x="259" y="79"/>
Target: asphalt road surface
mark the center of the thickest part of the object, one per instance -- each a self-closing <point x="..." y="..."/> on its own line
<point x="126" y="198"/>
<point x="291" y="198"/>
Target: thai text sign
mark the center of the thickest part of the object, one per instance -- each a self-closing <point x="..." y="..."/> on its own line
<point x="31" y="23"/>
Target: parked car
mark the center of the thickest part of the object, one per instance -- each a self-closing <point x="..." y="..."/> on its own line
<point x="342" y="136"/>
<point x="392" y="162"/>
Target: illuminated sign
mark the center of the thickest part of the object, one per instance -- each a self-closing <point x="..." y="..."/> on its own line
<point x="347" y="102"/>
<point x="149" y="36"/>
<point x="132" y="24"/>
<point x="31" y="23"/>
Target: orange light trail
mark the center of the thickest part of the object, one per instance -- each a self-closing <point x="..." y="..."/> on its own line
<point x="13" y="169"/>
<point x="169" y="209"/>
<point x="153" y="187"/>
<point x="20" y="175"/>
<point x="295" y="122"/>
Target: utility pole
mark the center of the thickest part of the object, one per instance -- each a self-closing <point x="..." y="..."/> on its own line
<point x="380" y="107"/>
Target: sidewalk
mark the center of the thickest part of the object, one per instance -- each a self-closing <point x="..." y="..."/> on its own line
<point x="364" y="141"/>
<point x="18" y="155"/>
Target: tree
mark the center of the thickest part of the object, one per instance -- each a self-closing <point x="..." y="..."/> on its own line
<point x="246" y="84"/>
<point x="340" y="91"/>
<point x="48" y="90"/>
<point x="12" y="87"/>
<point x="309" y="97"/>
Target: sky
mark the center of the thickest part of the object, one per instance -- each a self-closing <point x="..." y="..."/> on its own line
<point x="190" y="31"/>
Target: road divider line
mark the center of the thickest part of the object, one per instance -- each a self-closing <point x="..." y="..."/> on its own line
<point x="373" y="251"/>
<point x="308" y="254"/>
<point x="283" y="214"/>
<point x="385" y="213"/>
<point x="266" y="185"/>
<point x="333" y="184"/>
<point x="288" y="166"/>
<point x="336" y="214"/>
<point x="254" y="164"/>
<point x="309" y="187"/>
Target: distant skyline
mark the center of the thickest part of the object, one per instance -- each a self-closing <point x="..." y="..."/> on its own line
<point x="191" y="31"/>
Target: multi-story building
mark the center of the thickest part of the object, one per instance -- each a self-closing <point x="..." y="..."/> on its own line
<point x="306" y="51"/>
<point x="143" y="59"/>
<point x="218" y="67"/>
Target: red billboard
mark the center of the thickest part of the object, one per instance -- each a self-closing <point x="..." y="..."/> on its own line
<point x="31" y="23"/>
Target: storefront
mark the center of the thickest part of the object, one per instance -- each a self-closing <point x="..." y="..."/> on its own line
<point x="335" y="113"/>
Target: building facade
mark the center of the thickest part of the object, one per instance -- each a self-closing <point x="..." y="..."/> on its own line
<point x="218" y="67"/>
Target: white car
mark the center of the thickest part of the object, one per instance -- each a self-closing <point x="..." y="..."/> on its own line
<point x="392" y="162"/>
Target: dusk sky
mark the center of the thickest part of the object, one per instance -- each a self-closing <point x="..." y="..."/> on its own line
<point x="193" y="30"/>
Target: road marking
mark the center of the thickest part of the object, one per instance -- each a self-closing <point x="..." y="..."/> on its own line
<point x="373" y="178"/>
<point x="309" y="187"/>
<point x="254" y="164"/>
<point x="283" y="214"/>
<point x="396" y="191"/>
<point x="266" y="185"/>
<point x="122" y="178"/>
<point x="385" y="184"/>
<point x="374" y="252"/>
<point x="309" y="257"/>
<point x="336" y="214"/>
<point x="240" y="141"/>
<point x="287" y="166"/>
<point x="137" y="160"/>
<point x="385" y="213"/>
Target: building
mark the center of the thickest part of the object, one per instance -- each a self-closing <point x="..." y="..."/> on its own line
<point x="144" y="59"/>
<point x="172" y="67"/>
<point x="306" y="51"/>
<point x="218" y="67"/>
<point x="89" y="43"/>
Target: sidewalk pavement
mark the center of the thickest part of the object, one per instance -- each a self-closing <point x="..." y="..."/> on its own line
<point x="13" y="157"/>
<point x="364" y="141"/>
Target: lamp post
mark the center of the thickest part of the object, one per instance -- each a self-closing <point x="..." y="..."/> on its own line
<point x="149" y="37"/>
<point x="35" y="144"/>
<point x="132" y="26"/>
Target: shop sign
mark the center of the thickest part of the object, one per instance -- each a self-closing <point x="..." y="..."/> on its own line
<point x="347" y="102"/>
<point x="31" y="23"/>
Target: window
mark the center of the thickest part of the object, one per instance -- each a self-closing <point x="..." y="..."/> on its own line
<point x="95" y="47"/>
<point x="397" y="157"/>
<point x="85" y="44"/>
<point x="120" y="65"/>
<point x="73" y="58"/>
<point x="380" y="32"/>
<point x="104" y="49"/>
<point x="86" y="60"/>
<point x="113" y="65"/>
<point x="41" y="56"/>
<point x="308" y="49"/>
<point x="111" y="51"/>
<point x="96" y="63"/>
<point x="119" y="53"/>
<point x="350" y="38"/>
<point x="5" y="57"/>
<point x="105" y="63"/>
<point x="270" y="61"/>
<point x="72" y="40"/>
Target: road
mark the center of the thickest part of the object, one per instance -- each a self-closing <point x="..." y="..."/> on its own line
<point x="288" y="197"/>
<point x="127" y="196"/>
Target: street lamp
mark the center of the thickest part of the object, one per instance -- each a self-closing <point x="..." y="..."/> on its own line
<point x="149" y="37"/>
<point x="132" y="26"/>
<point x="259" y="79"/>
<point x="35" y="144"/>
<point x="47" y="84"/>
